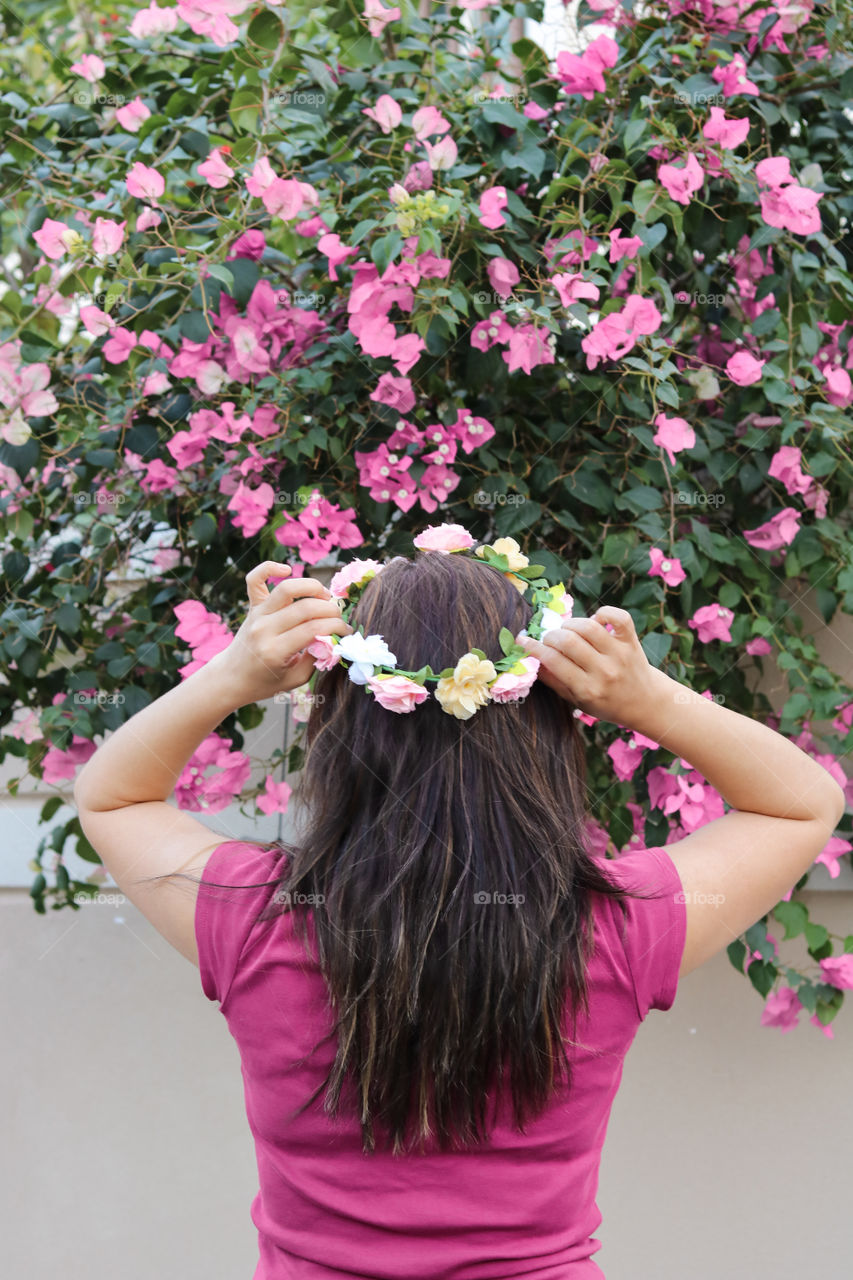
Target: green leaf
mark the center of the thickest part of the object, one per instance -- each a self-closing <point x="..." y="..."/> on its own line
<point x="736" y="952"/>
<point x="793" y="915"/>
<point x="762" y="976"/>
<point x="506" y="640"/>
<point x="656" y="645"/>
<point x="203" y="529"/>
<point x="265" y="30"/>
<point x="221" y="273"/>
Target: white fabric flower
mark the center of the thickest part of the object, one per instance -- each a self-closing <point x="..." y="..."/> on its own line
<point x="364" y="653"/>
<point x="551" y="621"/>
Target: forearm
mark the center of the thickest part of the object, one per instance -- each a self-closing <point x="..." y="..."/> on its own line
<point x="143" y="759"/>
<point x="755" y="769"/>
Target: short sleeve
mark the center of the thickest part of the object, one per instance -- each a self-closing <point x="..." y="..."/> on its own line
<point x="230" y="897"/>
<point x="654" y="929"/>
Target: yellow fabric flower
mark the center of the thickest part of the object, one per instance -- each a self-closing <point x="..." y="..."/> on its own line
<point x="462" y="693"/>
<point x="517" y="582"/>
<point x="516" y="559"/>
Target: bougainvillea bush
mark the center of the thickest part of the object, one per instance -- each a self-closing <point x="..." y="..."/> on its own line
<point x="292" y="282"/>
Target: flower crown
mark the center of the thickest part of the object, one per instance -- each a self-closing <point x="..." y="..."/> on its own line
<point x="474" y="680"/>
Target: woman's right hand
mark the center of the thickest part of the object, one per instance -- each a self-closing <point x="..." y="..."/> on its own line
<point x="604" y="673"/>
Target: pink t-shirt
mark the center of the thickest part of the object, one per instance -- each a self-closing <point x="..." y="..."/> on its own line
<point x="523" y="1205"/>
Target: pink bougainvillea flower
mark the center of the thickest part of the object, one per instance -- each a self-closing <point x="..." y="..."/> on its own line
<point x="584" y="73"/>
<point x="90" y="67"/>
<point x="774" y="171"/>
<point x="153" y="21"/>
<point x="330" y="245"/>
<point x="107" y="236"/>
<point x="503" y="276"/>
<point x="615" y="335"/>
<point x="145" y="183"/>
<point x="834" y="849"/>
<point x="387" y="113"/>
<point x="776" y="533"/>
<point x="839" y="386"/>
<point x="627" y="756"/>
<point x="729" y="133"/>
<point x="666" y="567"/>
<point x="132" y="115"/>
<point x="148" y="218"/>
<point x="378" y="17"/>
<point x="55" y="238"/>
<point x="275" y="796"/>
<point x="441" y="154"/>
<point x="427" y="122"/>
<point x="205" y="633"/>
<point x="283" y="198"/>
<point x="681" y="182"/>
<point x="59" y="766"/>
<point x="744" y="369"/>
<point x="213" y="18"/>
<point x="396" y="392"/>
<point x="95" y="321"/>
<point x="305" y="531"/>
<point x="792" y="208"/>
<point x="214" y="170"/>
<point x="759" y="646"/>
<point x="781" y="1009"/>
<point x="838" y="971"/>
<point x="119" y="345"/>
<point x="623" y="247"/>
<point x="733" y="78"/>
<point x="786" y="466"/>
<point x="572" y="287"/>
<point x="251" y="507"/>
<point x="195" y="791"/>
<point x="529" y="345"/>
<point x="491" y="202"/>
<point x="261" y="177"/>
<point x="673" y="435"/>
<point x="712" y="622"/>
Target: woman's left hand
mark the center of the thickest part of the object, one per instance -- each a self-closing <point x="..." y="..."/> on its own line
<point x="267" y="655"/>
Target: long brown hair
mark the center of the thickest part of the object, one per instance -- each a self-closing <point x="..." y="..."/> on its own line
<point x="409" y="819"/>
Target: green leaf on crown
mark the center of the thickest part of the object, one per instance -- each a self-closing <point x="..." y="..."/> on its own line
<point x="506" y="640"/>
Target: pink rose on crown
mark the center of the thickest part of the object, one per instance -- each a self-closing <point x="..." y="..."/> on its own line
<point x="325" y="652"/>
<point x="397" y="693"/>
<point x="515" y="683"/>
<point x="444" y="538"/>
<point x="353" y="574"/>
